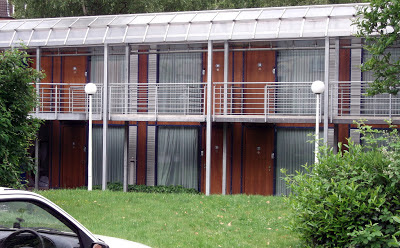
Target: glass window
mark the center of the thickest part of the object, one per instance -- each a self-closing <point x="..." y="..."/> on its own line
<point x="301" y="67"/>
<point x="22" y="214"/>
<point x="292" y="151"/>
<point x="177" y="156"/>
<point x="19" y="215"/>
<point x="382" y="104"/>
<point x="180" y="90"/>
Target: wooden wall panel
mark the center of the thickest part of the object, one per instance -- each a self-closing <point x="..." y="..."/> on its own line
<point x="141" y="153"/>
<point x="55" y="154"/>
<point x="236" y="183"/>
<point x="343" y="133"/>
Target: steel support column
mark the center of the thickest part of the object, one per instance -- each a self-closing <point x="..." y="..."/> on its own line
<point x="105" y="117"/>
<point x="126" y="160"/>
<point x="126" y="137"/>
<point x="224" y="148"/>
<point x="326" y="92"/>
<point x="209" y="123"/>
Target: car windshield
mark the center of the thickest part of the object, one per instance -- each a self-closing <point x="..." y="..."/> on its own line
<point x="23" y="214"/>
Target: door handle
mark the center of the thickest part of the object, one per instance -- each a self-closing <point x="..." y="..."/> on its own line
<point x="269" y="168"/>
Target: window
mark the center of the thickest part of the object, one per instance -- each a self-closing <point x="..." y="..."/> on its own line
<point x="177" y="156"/>
<point x="303" y="67"/>
<point x="180" y="90"/>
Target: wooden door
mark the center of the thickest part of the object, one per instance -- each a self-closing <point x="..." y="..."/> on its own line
<point x="258" y="162"/>
<point x="259" y="69"/>
<point x="72" y="97"/>
<point x="73" y="156"/>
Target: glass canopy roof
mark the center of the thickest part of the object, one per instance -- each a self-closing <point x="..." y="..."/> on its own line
<point x="201" y="26"/>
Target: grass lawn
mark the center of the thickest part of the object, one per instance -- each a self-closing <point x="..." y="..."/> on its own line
<point x="180" y="220"/>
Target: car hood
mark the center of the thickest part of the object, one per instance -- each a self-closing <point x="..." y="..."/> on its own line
<point x="119" y="243"/>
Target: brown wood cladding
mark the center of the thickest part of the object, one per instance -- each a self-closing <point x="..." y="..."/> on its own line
<point x="141" y="153"/>
<point x="236" y="146"/>
<point x="55" y="154"/>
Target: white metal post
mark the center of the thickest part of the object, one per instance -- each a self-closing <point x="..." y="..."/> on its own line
<point x="105" y="117"/>
<point x="209" y="123"/>
<point x="126" y="136"/>
<point x="317" y="88"/>
<point x="317" y="127"/>
<point x="326" y="91"/>
<point x="224" y="148"/>
<point x="90" y="147"/>
<point x="90" y="89"/>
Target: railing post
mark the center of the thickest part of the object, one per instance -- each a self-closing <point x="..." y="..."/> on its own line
<point x="156" y="102"/>
<point x="126" y="73"/>
<point x="38" y="62"/>
<point x="56" y="103"/>
<point x="213" y="106"/>
<point x="265" y="102"/>
<point x="226" y="64"/>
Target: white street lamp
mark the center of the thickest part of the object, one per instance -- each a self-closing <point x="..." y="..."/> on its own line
<point x="90" y="89"/>
<point x="317" y="88"/>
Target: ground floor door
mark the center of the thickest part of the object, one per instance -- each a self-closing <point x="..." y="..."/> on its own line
<point x="73" y="156"/>
<point x="258" y="160"/>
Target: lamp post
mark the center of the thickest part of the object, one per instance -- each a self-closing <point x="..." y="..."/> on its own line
<point x="317" y="88"/>
<point x="90" y="89"/>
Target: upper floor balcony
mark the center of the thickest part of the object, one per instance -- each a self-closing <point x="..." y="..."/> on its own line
<point x="272" y="102"/>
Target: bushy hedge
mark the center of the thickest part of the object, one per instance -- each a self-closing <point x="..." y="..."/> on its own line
<point x="350" y="198"/>
<point x="17" y="129"/>
<point x="117" y="186"/>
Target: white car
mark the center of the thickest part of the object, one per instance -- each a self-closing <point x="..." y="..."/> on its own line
<point x="30" y="220"/>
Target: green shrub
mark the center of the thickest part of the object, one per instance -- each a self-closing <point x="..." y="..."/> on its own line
<point x="350" y="198"/>
<point x="117" y="186"/>
<point x="17" y="128"/>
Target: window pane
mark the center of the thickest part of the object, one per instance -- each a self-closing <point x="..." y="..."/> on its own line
<point x="292" y="151"/>
<point x="298" y="66"/>
<point x="177" y="157"/>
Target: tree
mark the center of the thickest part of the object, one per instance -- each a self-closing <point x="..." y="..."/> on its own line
<point x="58" y="8"/>
<point x="379" y="24"/>
<point x="17" y="128"/>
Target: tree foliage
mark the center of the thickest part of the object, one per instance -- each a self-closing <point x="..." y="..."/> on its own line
<point x="17" y="128"/>
<point x="379" y="24"/>
<point x="59" y="8"/>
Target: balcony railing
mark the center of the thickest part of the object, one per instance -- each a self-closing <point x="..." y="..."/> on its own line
<point x="65" y="98"/>
<point x="236" y="100"/>
<point x="349" y="99"/>
<point x="263" y="99"/>
<point x="180" y="99"/>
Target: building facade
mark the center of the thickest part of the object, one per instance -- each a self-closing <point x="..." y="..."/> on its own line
<point x="219" y="101"/>
<point x="6" y="10"/>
